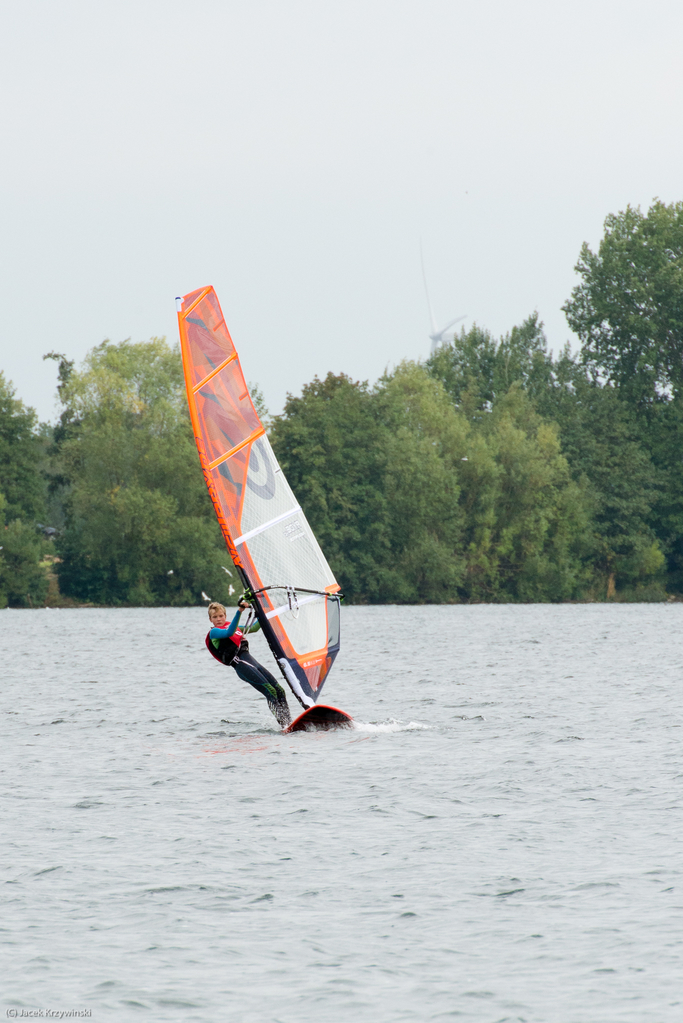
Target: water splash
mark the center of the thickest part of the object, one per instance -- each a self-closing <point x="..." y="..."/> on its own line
<point x="392" y="725"/>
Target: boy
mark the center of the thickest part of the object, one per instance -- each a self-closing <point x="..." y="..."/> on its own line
<point x="228" y="645"/>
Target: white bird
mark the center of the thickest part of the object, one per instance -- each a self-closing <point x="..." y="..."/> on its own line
<point x="227" y="570"/>
<point x="204" y="597"/>
<point x="437" y="337"/>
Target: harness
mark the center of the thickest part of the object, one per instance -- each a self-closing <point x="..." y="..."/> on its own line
<point x="228" y="646"/>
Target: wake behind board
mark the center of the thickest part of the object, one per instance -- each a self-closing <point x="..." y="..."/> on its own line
<point x="319" y="718"/>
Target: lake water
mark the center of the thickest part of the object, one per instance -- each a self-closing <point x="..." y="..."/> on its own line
<point x="498" y="839"/>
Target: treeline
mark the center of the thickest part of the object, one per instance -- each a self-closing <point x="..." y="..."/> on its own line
<point x="494" y="471"/>
<point x="122" y="486"/>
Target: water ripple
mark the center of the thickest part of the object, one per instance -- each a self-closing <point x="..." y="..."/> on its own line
<point x="497" y="839"/>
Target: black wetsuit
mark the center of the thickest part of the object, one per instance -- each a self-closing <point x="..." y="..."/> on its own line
<point x="220" y="643"/>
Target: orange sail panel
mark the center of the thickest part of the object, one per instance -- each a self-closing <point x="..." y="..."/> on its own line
<point x="265" y="530"/>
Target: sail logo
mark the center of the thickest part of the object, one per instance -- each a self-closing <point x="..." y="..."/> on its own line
<point x="293" y="531"/>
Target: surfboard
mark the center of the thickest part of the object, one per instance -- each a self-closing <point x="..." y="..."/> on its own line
<point x="319" y="718"/>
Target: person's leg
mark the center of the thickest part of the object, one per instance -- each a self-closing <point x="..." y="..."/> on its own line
<point x="266" y="674"/>
<point x="249" y="670"/>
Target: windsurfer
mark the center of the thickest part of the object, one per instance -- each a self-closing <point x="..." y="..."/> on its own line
<point x="227" y="644"/>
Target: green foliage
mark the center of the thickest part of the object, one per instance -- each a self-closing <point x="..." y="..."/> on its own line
<point x="23" y="579"/>
<point x="494" y="472"/>
<point x="662" y="430"/>
<point x="476" y="369"/>
<point x="140" y="527"/>
<point x="424" y="439"/>
<point x="526" y="516"/>
<point x="412" y="502"/>
<point x="64" y="370"/>
<point x="21" y="454"/>
<point x="628" y="312"/>
<point x="259" y="403"/>
<point x="603" y="442"/>
<point x="23" y="582"/>
<point x="628" y="308"/>
<point x="329" y="443"/>
<point x="598" y="432"/>
<point x="378" y="492"/>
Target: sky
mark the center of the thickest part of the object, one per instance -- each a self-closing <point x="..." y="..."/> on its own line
<point x="296" y="154"/>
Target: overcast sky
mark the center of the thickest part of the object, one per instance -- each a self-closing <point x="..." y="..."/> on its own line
<point x="294" y="152"/>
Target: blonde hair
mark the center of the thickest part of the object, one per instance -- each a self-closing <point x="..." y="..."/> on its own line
<point x="215" y="606"/>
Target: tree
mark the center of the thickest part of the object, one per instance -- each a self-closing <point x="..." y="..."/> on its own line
<point x="372" y="469"/>
<point x="425" y="439"/>
<point x="628" y="313"/>
<point x="600" y="437"/>
<point x="628" y="308"/>
<point x="603" y="441"/>
<point x="330" y="443"/>
<point x="663" y="438"/>
<point x="412" y="502"/>
<point x="23" y="579"/>
<point x="22" y="452"/>
<point x="140" y="528"/>
<point x="525" y="517"/>
<point x="476" y="369"/>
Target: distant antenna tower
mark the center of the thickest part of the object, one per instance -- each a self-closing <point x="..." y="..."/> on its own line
<point x="437" y="337"/>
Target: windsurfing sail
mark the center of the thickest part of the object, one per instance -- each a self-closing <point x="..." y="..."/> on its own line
<point x="269" y="540"/>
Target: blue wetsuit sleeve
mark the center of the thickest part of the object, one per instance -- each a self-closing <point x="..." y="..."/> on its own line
<point x="235" y="622"/>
